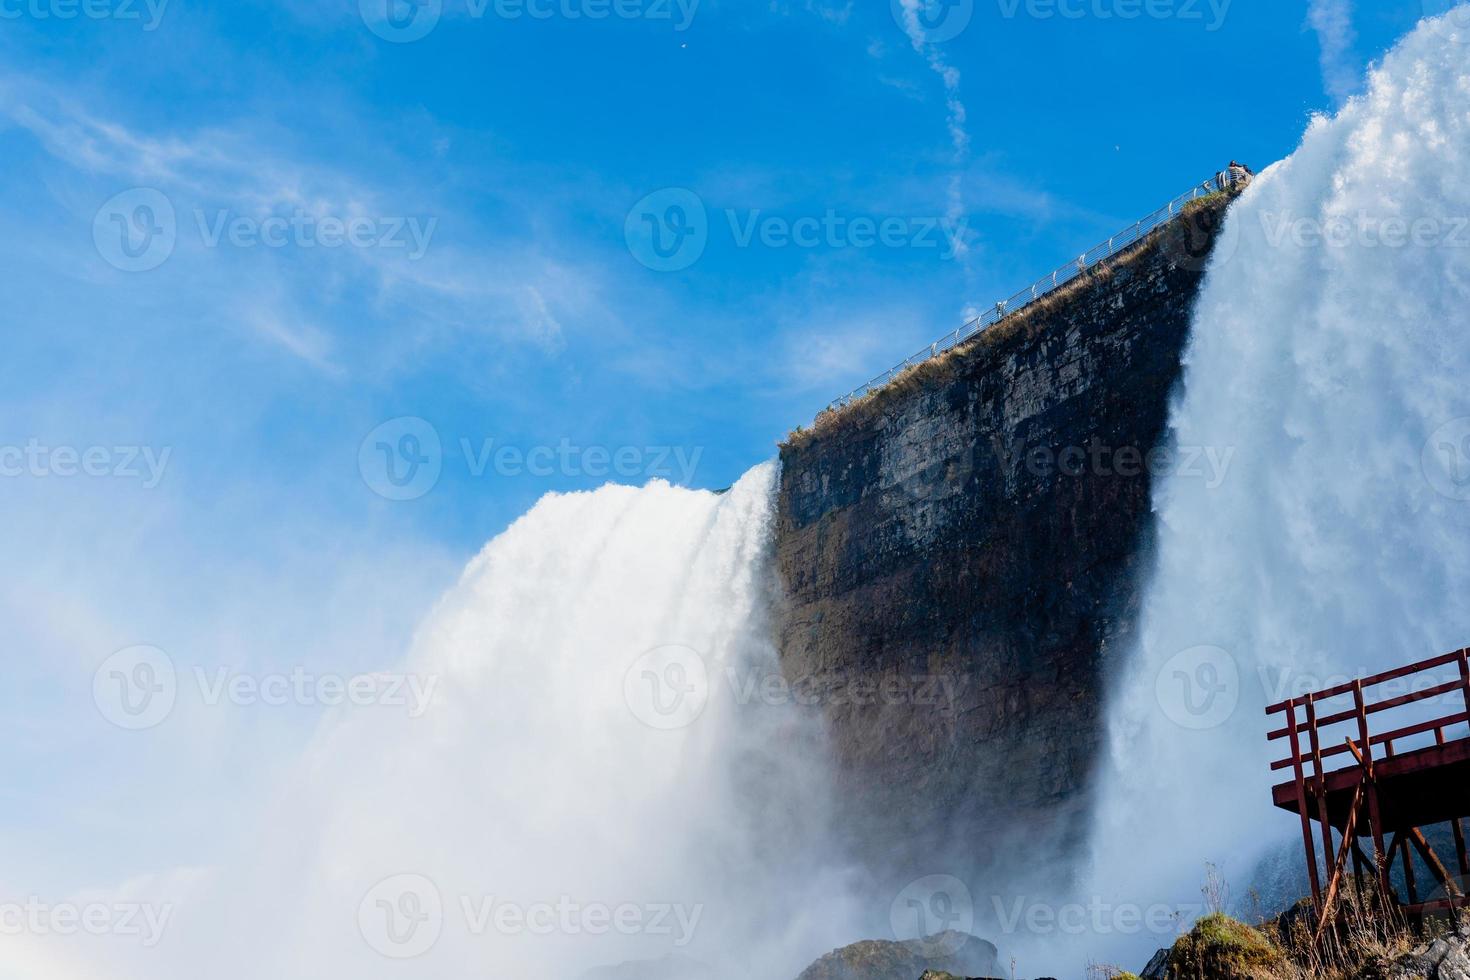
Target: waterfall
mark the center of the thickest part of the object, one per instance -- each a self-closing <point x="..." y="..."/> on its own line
<point x="1329" y="355"/>
<point x="603" y="775"/>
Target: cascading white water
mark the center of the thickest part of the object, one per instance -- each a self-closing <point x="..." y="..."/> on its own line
<point x="593" y="783"/>
<point x="587" y="755"/>
<point x="1330" y="352"/>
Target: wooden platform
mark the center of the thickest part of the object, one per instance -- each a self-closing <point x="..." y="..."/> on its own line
<point x="1355" y="774"/>
<point x="1419" y="788"/>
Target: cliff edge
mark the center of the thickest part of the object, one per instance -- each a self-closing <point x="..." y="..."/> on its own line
<point x="961" y="554"/>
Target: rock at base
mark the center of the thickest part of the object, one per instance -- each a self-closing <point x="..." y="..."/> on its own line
<point x="949" y="953"/>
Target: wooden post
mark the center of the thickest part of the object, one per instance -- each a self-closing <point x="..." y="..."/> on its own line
<point x="1301" y="805"/>
<point x="1380" y="856"/>
<point x="1321" y="777"/>
<point x="1436" y="867"/>
<point x="1465" y="679"/>
<point x="1408" y="870"/>
<point x="1334" y="881"/>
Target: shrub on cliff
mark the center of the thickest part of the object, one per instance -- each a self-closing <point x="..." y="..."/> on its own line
<point x="1222" y="948"/>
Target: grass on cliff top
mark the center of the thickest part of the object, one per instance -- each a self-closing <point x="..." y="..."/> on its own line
<point x="1027" y="322"/>
<point x="1228" y="949"/>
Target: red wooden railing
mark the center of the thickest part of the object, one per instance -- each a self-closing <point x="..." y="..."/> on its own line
<point x="1359" y="746"/>
<point x="1363" y="709"/>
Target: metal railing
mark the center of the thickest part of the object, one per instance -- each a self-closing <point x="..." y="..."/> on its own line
<point x="1063" y="275"/>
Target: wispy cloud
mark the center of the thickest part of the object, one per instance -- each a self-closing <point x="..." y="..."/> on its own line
<point x="460" y="280"/>
<point x="1332" y="20"/>
<point x="954" y="105"/>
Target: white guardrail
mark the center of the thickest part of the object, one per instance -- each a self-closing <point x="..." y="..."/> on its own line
<point x="1078" y="266"/>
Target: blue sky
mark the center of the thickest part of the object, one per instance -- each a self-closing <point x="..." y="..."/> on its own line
<point x="526" y="142"/>
<point x="520" y="316"/>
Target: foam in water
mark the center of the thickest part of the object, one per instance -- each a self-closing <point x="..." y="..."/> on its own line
<point x="593" y="783"/>
<point x="1336" y="370"/>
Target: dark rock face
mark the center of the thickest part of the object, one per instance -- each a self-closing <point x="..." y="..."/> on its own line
<point x="961" y="553"/>
<point x="945" y="953"/>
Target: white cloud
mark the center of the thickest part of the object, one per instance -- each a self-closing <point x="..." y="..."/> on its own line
<point x="1332" y="20"/>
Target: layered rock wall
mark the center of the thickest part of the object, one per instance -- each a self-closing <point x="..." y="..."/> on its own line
<point x="962" y="553"/>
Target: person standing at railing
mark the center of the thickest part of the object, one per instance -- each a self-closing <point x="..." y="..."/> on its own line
<point x="1240" y="175"/>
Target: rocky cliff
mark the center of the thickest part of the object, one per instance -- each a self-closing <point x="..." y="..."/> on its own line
<point x="961" y="553"/>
